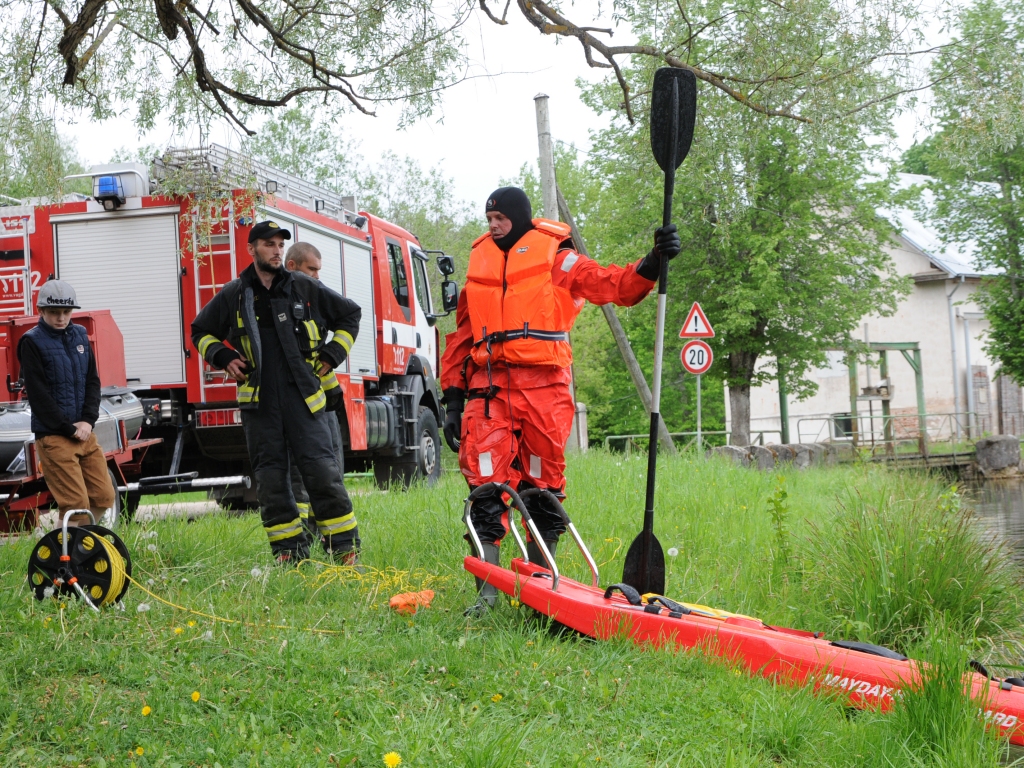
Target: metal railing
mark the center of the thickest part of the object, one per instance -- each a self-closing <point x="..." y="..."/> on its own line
<point x="630" y="443"/>
<point x="895" y="433"/>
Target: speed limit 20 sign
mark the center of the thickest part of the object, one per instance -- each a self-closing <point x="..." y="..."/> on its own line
<point x="697" y="357"/>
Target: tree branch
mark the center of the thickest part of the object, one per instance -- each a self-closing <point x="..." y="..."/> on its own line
<point x="502" y="21"/>
<point x="73" y="35"/>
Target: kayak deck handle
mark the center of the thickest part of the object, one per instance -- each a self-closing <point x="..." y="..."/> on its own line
<point x="627" y="592"/>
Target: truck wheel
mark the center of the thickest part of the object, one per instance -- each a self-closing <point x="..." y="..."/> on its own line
<point x="423" y="465"/>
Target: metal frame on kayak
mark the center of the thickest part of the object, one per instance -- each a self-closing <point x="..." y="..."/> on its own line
<point x="868" y="676"/>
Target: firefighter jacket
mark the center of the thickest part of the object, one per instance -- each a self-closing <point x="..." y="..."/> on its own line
<point x="518" y="307"/>
<point x="304" y="310"/>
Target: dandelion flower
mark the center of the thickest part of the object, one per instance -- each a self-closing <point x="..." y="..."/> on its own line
<point x="195" y="695"/>
<point x="191" y="623"/>
<point x="47" y="620"/>
<point x="673" y="552"/>
<point x="178" y="630"/>
<point x="139" y="751"/>
<point x="497" y="697"/>
<point x="392" y="760"/>
<point x="255" y="573"/>
<point x="151" y="582"/>
<point x="147" y="711"/>
<point x="208" y="635"/>
<point x="151" y="547"/>
<point x="142" y="607"/>
<point x="184" y="580"/>
<point x="48" y="592"/>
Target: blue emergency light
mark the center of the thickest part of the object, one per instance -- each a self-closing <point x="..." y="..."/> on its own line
<point x="108" y="191"/>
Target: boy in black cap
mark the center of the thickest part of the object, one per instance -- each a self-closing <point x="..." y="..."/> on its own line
<point x="278" y="323"/>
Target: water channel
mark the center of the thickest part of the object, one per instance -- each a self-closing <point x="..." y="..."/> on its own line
<point x="999" y="506"/>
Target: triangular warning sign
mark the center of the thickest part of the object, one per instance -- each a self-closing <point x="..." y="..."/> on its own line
<point x="696" y="325"/>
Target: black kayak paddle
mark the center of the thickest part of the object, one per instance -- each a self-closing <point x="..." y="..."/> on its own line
<point x="673" y="114"/>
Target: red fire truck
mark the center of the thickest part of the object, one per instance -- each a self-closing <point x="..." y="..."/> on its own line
<point x="152" y="246"/>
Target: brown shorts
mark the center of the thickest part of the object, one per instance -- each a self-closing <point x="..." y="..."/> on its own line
<point x="75" y="472"/>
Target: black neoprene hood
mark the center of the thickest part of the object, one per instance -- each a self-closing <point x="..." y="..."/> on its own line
<point x="513" y="202"/>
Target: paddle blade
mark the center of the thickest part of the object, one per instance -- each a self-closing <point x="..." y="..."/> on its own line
<point x="662" y="115"/>
<point x="651" y="578"/>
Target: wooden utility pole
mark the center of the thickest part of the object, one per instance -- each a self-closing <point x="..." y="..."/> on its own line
<point x="546" y="161"/>
<point x="621" y="340"/>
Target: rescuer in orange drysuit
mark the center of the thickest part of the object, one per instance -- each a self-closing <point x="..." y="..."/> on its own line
<point x="510" y="354"/>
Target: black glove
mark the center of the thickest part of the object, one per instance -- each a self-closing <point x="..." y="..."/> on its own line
<point x="666" y="245"/>
<point x="454" y="402"/>
<point x="334" y="399"/>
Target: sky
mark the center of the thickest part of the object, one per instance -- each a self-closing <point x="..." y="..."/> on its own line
<point x="485" y="127"/>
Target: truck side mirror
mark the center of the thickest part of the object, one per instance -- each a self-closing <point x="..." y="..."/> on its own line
<point x="449" y="295"/>
<point x="446" y="264"/>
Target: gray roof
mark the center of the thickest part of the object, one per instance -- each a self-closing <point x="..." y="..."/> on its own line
<point x="955" y="259"/>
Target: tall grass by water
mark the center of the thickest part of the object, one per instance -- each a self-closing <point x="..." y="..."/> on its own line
<point x="853" y="551"/>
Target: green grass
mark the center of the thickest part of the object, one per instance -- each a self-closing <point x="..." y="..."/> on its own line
<point x="502" y="690"/>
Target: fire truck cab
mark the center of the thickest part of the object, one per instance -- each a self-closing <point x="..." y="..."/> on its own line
<point x="153" y="245"/>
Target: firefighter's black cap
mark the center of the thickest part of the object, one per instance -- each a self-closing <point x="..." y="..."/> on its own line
<point x="265" y="230"/>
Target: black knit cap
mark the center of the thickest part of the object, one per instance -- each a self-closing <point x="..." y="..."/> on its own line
<point x="513" y="202"/>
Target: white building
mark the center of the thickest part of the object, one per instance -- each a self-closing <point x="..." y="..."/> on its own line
<point x="942" y="317"/>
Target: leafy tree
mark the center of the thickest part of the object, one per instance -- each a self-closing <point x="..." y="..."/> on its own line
<point x="976" y="161"/>
<point x="782" y="243"/>
<point x="230" y="57"/>
<point x="34" y="157"/>
<point x="187" y="62"/>
<point x="296" y="140"/>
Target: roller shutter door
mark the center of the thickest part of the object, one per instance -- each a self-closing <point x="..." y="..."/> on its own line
<point x="130" y="265"/>
<point x="330" y="257"/>
<point x="359" y="287"/>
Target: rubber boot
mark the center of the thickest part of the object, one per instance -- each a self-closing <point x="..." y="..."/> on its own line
<point x="536" y="556"/>
<point x="487" y="594"/>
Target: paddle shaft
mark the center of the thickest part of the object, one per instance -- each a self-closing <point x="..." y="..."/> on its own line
<point x="659" y="348"/>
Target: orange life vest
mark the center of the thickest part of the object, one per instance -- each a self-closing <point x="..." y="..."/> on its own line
<point x="517" y="313"/>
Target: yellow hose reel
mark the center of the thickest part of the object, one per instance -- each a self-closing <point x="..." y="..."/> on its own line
<point x="90" y="561"/>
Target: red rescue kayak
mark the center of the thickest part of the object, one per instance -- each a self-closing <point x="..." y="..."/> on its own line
<point x="794" y="656"/>
<point x="869" y="676"/>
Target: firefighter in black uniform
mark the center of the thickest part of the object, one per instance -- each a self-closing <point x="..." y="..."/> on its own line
<point x="278" y="322"/>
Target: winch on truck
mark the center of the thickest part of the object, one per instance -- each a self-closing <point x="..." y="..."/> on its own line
<point x="152" y="246"/>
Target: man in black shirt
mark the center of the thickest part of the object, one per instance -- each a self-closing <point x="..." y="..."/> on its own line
<point x="277" y="322"/>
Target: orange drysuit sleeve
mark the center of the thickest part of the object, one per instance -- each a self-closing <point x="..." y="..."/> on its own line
<point x="458" y="346"/>
<point x="585" y="278"/>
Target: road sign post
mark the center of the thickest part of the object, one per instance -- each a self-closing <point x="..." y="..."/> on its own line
<point x="700" y="438"/>
<point x="697" y="355"/>
<point x="697" y="358"/>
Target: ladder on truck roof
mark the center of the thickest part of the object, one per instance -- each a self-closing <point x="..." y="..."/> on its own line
<point x="230" y="169"/>
<point x="214" y="266"/>
<point x="16" y="281"/>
